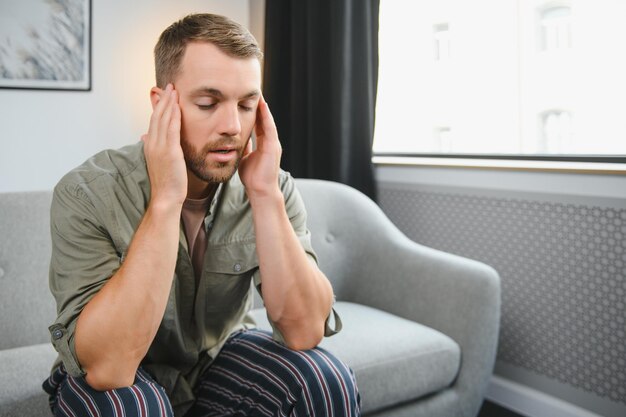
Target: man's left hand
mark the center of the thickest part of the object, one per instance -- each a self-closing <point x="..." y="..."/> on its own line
<point x="259" y="168"/>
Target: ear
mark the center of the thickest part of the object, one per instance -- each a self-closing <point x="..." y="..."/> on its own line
<point x="155" y="96"/>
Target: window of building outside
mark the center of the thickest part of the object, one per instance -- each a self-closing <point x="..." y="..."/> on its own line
<point x="443" y="136"/>
<point x="556" y="31"/>
<point x="521" y="77"/>
<point x="441" y="36"/>
<point x="556" y="131"/>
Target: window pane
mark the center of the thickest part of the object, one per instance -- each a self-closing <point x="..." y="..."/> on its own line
<point x="441" y="34"/>
<point x="505" y="77"/>
<point x="555" y="25"/>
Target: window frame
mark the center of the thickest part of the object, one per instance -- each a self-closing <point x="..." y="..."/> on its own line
<point x="569" y="164"/>
<point x="600" y="158"/>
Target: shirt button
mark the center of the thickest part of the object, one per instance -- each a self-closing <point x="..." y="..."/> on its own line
<point x="57" y="334"/>
<point x="237" y="267"/>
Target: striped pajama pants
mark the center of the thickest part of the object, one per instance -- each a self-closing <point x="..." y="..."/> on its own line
<point x="252" y="376"/>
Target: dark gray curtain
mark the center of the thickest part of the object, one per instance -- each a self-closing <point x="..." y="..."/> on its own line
<point x="320" y="76"/>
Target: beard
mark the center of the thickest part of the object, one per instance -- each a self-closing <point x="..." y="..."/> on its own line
<point x="217" y="172"/>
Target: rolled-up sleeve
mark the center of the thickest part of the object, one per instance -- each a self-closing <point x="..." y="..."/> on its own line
<point x="83" y="259"/>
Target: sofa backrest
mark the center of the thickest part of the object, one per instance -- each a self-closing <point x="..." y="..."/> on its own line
<point x="26" y="306"/>
<point x="342" y="221"/>
<point x="345" y="224"/>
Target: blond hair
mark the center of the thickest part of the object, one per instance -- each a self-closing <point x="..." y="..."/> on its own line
<point x="229" y="36"/>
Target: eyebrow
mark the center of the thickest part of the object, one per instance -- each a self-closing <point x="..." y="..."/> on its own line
<point x="207" y="91"/>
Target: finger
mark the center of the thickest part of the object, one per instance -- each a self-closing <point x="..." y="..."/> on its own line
<point x="248" y="149"/>
<point x="265" y="127"/>
<point x="174" y="125"/>
<point x="162" y="98"/>
<point x="258" y="127"/>
<point x="166" y="117"/>
<point x="157" y="113"/>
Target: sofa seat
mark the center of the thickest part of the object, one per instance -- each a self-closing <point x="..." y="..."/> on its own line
<point x="409" y="362"/>
<point x="23" y="370"/>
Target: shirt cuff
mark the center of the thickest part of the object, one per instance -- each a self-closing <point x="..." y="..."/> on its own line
<point x="63" y="342"/>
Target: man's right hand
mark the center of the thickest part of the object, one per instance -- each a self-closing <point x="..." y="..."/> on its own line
<point x="162" y="149"/>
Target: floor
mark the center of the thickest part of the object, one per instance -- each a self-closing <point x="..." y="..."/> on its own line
<point x="490" y="409"/>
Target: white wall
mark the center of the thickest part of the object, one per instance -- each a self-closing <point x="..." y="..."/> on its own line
<point x="44" y="134"/>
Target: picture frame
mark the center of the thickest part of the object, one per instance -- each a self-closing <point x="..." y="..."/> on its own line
<point x="45" y="44"/>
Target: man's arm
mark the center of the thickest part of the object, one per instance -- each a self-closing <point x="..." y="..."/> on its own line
<point x="117" y="326"/>
<point x="297" y="295"/>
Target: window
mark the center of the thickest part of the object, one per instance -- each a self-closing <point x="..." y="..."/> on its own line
<point x="442" y="42"/>
<point x="443" y="139"/>
<point x="556" y="132"/>
<point x="512" y="60"/>
<point x="556" y="30"/>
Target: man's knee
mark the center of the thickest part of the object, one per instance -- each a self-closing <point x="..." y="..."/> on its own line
<point x="313" y="382"/>
<point x="330" y="385"/>
<point x="73" y="396"/>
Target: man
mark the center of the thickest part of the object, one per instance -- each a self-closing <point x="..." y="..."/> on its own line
<point x="155" y="247"/>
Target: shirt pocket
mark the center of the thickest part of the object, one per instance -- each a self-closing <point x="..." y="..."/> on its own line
<point x="227" y="274"/>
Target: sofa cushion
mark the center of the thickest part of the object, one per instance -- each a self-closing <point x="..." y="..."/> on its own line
<point x="23" y="371"/>
<point x="395" y="360"/>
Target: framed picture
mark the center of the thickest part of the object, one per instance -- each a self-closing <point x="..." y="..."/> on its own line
<point x="45" y="44"/>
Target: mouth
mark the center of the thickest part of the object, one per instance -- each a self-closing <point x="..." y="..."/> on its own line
<point x="223" y="154"/>
<point x="224" y="149"/>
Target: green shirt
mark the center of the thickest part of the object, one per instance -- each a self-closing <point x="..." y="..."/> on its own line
<point x="95" y="211"/>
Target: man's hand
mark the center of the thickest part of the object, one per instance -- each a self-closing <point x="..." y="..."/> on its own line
<point x="259" y="169"/>
<point x="164" y="155"/>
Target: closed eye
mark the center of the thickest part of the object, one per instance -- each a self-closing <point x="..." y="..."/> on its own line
<point x="206" y="106"/>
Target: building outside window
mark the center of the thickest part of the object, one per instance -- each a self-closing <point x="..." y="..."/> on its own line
<point x="512" y="60"/>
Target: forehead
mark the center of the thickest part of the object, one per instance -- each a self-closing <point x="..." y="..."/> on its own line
<point x="205" y="65"/>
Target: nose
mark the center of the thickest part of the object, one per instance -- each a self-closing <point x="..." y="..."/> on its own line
<point x="229" y="123"/>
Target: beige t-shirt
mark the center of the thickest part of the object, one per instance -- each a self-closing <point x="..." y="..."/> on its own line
<point x="193" y="214"/>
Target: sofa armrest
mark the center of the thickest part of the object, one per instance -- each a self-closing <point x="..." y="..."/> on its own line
<point x="455" y="295"/>
<point x="373" y="263"/>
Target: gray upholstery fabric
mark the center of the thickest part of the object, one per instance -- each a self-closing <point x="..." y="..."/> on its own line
<point x="386" y="285"/>
<point x="394" y="360"/>
<point x="34" y="406"/>
<point x="23" y="371"/>
<point x="24" y="260"/>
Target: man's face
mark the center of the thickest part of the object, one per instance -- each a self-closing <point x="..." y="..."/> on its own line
<point x="218" y="101"/>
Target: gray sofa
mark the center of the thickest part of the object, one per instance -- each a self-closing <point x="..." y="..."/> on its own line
<point x="420" y="326"/>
